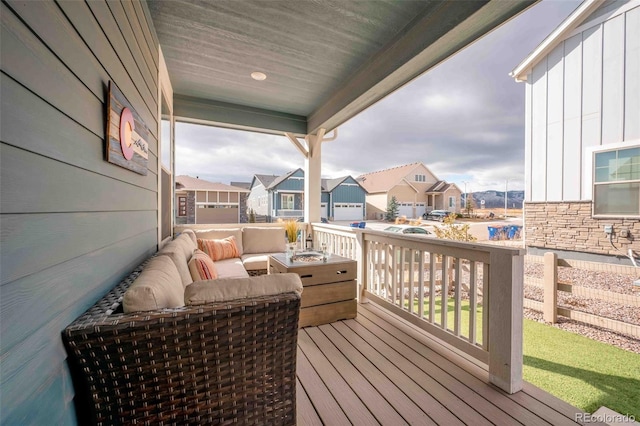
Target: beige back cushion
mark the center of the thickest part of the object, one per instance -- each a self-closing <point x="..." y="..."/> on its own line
<point x="158" y="286"/>
<point x="180" y="251"/>
<point x="218" y="234"/>
<point x="225" y="289"/>
<point x="191" y="234"/>
<point x="263" y="240"/>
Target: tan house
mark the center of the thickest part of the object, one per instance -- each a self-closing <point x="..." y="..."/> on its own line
<point x="201" y="201"/>
<point x="416" y="188"/>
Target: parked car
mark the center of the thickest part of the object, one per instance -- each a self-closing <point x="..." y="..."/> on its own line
<point x="438" y="215"/>
<point x="322" y="220"/>
<point x="407" y="229"/>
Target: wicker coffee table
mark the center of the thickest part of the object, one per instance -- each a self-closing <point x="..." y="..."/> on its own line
<point x="329" y="287"/>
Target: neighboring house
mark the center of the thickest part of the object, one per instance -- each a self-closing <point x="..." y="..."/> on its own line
<point x="259" y="198"/>
<point x="278" y="196"/>
<point x="282" y="197"/>
<point x="201" y="201"/>
<point x="582" y="155"/>
<point x="343" y="199"/>
<point x="416" y="188"/>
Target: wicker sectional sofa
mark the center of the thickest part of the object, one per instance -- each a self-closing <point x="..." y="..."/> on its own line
<point x="227" y="356"/>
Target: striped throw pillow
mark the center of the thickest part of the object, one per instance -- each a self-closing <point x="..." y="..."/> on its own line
<point x="202" y="267"/>
<point x="220" y="249"/>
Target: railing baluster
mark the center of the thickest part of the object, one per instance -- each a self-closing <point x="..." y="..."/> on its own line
<point x="432" y="287"/>
<point x="485" y="306"/>
<point x="421" y="284"/>
<point x="412" y="254"/>
<point x="402" y="276"/>
<point x="394" y="275"/>
<point x="457" y="316"/>
<point x="444" y="294"/>
<point x="473" y="302"/>
<point x="379" y="268"/>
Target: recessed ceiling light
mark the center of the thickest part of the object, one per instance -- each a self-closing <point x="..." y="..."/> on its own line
<point x="257" y="75"/>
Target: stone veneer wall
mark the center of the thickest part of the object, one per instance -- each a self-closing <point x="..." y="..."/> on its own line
<point x="569" y="226"/>
<point x="191" y="207"/>
<point x="244" y="215"/>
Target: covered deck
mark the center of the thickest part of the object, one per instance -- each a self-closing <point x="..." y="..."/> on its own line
<point x="191" y="62"/>
<point x="379" y="369"/>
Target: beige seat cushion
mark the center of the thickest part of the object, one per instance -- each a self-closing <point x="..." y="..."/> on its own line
<point x="226" y="289"/>
<point x="231" y="268"/>
<point x="158" y="286"/>
<point x="180" y="251"/>
<point x="254" y="262"/>
<point x="218" y="234"/>
<point x="263" y="240"/>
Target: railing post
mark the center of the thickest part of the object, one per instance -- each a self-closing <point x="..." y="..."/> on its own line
<point x="361" y="257"/>
<point x="506" y="275"/>
<point x="549" y="310"/>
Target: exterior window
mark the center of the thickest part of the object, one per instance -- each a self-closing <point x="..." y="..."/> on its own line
<point x="182" y="206"/>
<point x="420" y="178"/>
<point x="287" y="201"/>
<point x="616" y="186"/>
<point x="452" y="202"/>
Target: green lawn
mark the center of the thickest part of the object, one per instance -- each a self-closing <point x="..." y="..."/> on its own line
<point x="586" y="373"/>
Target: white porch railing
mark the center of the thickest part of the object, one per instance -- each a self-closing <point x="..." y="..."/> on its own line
<point x="468" y="295"/>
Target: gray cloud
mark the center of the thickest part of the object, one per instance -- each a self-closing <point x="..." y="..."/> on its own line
<point x="464" y="119"/>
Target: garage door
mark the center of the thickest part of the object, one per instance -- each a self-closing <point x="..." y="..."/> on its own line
<point x="217" y="214"/>
<point x="405" y="209"/>
<point x="344" y="211"/>
<point x="420" y="209"/>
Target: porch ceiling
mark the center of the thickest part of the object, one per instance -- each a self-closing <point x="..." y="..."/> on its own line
<point x="325" y="60"/>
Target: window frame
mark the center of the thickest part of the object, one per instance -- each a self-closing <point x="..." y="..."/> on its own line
<point x="282" y="201"/>
<point x="600" y="150"/>
<point x="182" y="207"/>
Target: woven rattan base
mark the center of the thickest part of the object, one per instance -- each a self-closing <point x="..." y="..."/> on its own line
<point x="210" y="364"/>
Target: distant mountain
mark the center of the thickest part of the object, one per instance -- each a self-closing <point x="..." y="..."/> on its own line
<point x="495" y="199"/>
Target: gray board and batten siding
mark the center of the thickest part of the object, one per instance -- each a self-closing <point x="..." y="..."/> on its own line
<point x="72" y="225"/>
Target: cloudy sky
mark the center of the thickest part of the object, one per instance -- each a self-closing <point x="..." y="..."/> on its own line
<point x="463" y="119"/>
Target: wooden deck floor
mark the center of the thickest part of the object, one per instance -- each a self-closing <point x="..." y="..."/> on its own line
<point x="377" y="370"/>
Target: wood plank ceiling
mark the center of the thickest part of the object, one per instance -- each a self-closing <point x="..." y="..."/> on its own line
<point x="325" y="60"/>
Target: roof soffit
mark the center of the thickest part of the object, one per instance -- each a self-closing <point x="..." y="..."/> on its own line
<point x="376" y="47"/>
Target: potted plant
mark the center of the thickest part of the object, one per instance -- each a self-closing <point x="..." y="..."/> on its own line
<point x="291" y="229"/>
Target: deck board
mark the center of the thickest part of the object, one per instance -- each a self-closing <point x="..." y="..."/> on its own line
<point x="377" y="369"/>
<point x="351" y="404"/>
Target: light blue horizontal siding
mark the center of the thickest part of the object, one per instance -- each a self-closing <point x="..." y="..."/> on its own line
<point x="72" y="225"/>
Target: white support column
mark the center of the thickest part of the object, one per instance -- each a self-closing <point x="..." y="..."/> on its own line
<point x="312" y="177"/>
<point x="312" y="171"/>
